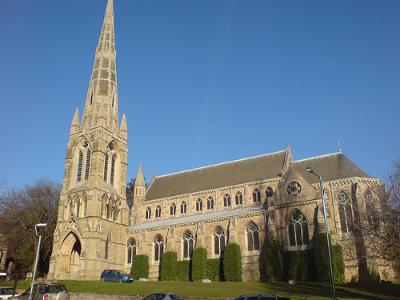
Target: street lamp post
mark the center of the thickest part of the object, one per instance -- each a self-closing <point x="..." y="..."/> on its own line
<point x="311" y="171"/>
<point x="37" y="256"/>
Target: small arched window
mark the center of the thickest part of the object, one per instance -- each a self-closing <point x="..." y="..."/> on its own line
<point x="210" y="203"/>
<point x="172" y="209"/>
<point x="80" y="162"/>
<point x="105" y="167"/>
<point x="227" y="200"/>
<point x="158" y="247"/>
<point x="219" y="241"/>
<point x="109" y="209"/>
<point x="239" y="198"/>
<point x="188" y="244"/>
<point x="345" y="212"/>
<point x="112" y="173"/>
<point x="298" y="230"/>
<point x="158" y="211"/>
<point x="256" y="195"/>
<point x="87" y="168"/>
<point x="199" y="205"/>
<point x="107" y="246"/>
<point x="148" y="213"/>
<point x="183" y="207"/>
<point x="131" y="250"/>
<point x="253" y="241"/>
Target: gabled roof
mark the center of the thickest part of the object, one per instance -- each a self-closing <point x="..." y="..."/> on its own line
<point x="330" y="167"/>
<point x="216" y="176"/>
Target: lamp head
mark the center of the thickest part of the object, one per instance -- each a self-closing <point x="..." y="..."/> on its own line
<point x="41" y="225"/>
<point x="309" y="170"/>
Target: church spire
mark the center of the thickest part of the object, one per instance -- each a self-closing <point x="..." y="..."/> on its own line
<point x="101" y="108"/>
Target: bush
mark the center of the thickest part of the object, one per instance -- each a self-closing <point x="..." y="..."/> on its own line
<point x="140" y="266"/>
<point x="168" y="266"/>
<point x="338" y="263"/>
<point x="232" y="263"/>
<point x="273" y="261"/>
<point x="183" y="270"/>
<point x="199" y="264"/>
<point x="322" y="260"/>
<point x="214" y="269"/>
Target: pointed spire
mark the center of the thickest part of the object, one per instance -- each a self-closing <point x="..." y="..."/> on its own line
<point x="139" y="177"/>
<point x="75" y="124"/>
<point x="101" y="106"/>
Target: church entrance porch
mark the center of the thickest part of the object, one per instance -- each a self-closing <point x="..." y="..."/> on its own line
<point x="69" y="254"/>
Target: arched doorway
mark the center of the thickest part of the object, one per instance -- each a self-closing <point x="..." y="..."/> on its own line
<point x="70" y="254"/>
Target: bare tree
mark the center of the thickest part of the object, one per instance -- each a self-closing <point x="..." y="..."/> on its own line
<point x="20" y="210"/>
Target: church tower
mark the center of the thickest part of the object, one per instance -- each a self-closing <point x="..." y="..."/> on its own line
<point x="93" y="214"/>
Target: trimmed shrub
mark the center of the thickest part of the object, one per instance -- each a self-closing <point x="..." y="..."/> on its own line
<point x="321" y="257"/>
<point x="214" y="269"/>
<point x="232" y="263"/>
<point x="168" y="266"/>
<point x="273" y="261"/>
<point x="140" y="266"/>
<point x="338" y="263"/>
<point x="183" y="270"/>
<point x="199" y="264"/>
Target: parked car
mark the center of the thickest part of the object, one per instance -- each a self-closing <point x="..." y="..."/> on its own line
<point x="44" y="292"/>
<point x="115" y="275"/>
<point x="6" y="292"/>
<point x="261" y="297"/>
<point x="162" y="296"/>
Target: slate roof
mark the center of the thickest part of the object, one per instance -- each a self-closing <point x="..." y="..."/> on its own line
<point x="216" y="176"/>
<point x="329" y="167"/>
<point x="221" y="214"/>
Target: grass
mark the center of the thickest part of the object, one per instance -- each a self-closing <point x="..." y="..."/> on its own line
<point x="229" y="289"/>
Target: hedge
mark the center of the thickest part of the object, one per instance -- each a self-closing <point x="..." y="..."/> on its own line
<point x="273" y="261"/>
<point x="232" y="263"/>
<point x="299" y="265"/>
<point x="199" y="264"/>
<point x="183" y="270"/>
<point x="140" y="266"/>
<point x="214" y="269"/>
<point x="338" y="263"/>
<point x="168" y="266"/>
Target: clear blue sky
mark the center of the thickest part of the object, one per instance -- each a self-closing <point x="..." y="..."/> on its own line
<point x="204" y="82"/>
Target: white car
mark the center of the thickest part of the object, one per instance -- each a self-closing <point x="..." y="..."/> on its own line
<point x="6" y="292"/>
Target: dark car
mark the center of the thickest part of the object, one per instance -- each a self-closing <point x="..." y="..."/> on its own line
<point x="261" y="297"/>
<point x="115" y="275"/>
<point x="162" y="296"/>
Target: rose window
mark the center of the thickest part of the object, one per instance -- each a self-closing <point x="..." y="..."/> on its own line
<point x="294" y="189"/>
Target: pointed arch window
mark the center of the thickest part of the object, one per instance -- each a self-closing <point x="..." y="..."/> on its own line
<point x="298" y="230"/>
<point x="105" y="167"/>
<point x="210" y="203"/>
<point x="158" y="247"/>
<point x="113" y="159"/>
<point x="253" y="241"/>
<point x="188" y="244"/>
<point x="158" y="211"/>
<point x="345" y="212"/>
<point x="199" y="205"/>
<point x="219" y="241"/>
<point x="183" y="207"/>
<point x="87" y="168"/>
<point x="372" y="214"/>
<point x="239" y="198"/>
<point x="148" y="213"/>
<point x="109" y="209"/>
<point x="80" y="162"/>
<point x="256" y="195"/>
<point x="172" y="209"/>
<point x="131" y="250"/>
<point x="227" y="200"/>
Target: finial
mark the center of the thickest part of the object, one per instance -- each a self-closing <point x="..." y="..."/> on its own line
<point x="339" y="147"/>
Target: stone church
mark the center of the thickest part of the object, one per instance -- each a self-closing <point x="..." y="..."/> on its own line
<point x="243" y="201"/>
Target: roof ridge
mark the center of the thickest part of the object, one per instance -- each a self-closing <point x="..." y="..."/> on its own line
<point x="219" y="164"/>
<point x="317" y="157"/>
